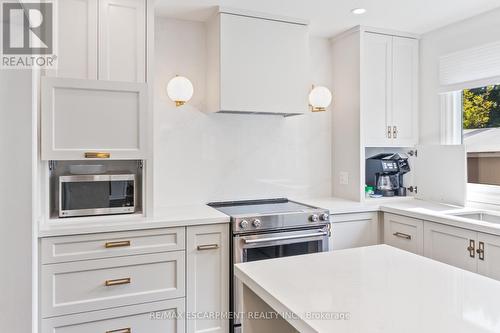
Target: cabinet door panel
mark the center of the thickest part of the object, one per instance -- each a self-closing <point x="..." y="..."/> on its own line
<point x="81" y="116"/>
<point x="263" y="65"/>
<point x="354" y="230"/>
<point x="208" y="276"/>
<point x="122" y="44"/>
<point x="76" y="39"/>
<point x="404" y="233"/>
<point x="376" y="88"/>
<point x="156" y="317"/>
<point x="488" y="264"/>
<point x="449" y="245"/>
<point x="405" y="91"/>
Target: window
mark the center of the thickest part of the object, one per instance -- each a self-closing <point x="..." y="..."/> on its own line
<point x="481" y="134"/>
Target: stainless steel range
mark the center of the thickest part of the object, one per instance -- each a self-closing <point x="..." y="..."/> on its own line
<point x="271" y="228"/>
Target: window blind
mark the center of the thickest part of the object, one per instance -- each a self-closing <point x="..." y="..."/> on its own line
<point x="470" y="68"/>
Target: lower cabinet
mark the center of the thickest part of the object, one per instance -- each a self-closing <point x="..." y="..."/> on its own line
<point x="488" y="255"/>
<point x="156" y="317"/>
<point x="354" y="230"/>
<point x="169" y="280"/>
<point x="207" y="284"/>
<point x="451" y="245"/>
<point x="404" y="233"/>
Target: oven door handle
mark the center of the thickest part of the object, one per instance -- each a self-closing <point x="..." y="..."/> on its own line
<point x="279" y="238"/>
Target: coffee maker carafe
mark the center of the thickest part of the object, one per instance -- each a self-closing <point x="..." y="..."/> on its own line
<point x="385" y="173"/>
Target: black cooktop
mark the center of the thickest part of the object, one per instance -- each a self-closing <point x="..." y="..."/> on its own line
<point x="264" y="206"/>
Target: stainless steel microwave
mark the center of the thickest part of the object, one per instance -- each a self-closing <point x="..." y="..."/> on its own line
<point x="85" y="195"/>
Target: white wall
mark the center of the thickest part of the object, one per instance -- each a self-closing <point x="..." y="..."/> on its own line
<point x="201" y="157"/>
<point x="478" y="30"/>
<point x="15" y="201"/>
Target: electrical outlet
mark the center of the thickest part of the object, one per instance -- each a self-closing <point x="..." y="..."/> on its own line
<point x="344" y="178"/>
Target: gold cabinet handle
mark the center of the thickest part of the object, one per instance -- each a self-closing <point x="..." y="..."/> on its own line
<point x="480" y="251"/>
<point x="117" y="282"/>
<point x="472" y="248"/>
<point x="389" y="133"/>
<point x="208" y="247"/>
<point x="402" y="235"/>
<point x="110" y="245"/>
<point x="97" y="155"/>
<point x="395" y="132"/>
<point x="121" y="330"/>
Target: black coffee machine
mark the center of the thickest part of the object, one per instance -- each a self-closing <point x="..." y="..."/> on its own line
<point x="384" y="172"/>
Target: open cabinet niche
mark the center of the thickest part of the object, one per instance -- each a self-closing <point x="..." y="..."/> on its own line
<point x="438" y="172"/>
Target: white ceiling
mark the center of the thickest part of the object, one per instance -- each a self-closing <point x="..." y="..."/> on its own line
<point x="330" y="17"/>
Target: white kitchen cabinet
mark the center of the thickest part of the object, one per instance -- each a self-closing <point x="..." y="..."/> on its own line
<point x="207" y="276"/>
<point x="82" y="117"/>
<point x="101" y="39"/>
<point x="488" y="255"/>
<point x="76" y="38"/>
<point x="155" y="317"/>
<point x="257" y="64"/>
<point x="122" y="40"/>
<point x="354" y="230"/>
<point x="404" y="233"/>
<point x="389" y="97"/>
<point x="90" y="285"/>
<point x="451" y="245"/>
<point x="404" y="95"/>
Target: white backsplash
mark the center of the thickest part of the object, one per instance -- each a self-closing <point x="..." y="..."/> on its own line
<point x="201" y="157"/>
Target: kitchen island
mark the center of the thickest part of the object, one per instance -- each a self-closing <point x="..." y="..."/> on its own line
<point x="366" y="290"/>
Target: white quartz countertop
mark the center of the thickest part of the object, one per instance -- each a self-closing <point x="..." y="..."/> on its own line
<point x="164" y="217"/>
<point x="382" y="289"/>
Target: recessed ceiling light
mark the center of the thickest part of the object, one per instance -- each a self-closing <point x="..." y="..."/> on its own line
<point x="358" y="11"/>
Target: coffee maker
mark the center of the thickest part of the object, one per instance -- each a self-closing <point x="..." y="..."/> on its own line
<point x="384" y="172"/>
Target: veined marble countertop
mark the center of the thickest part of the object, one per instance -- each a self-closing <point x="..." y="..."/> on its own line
<point x="382" y="289"/>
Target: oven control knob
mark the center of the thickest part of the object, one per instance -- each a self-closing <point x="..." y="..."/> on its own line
<point x="256" y="223"/>
<point x="314" y="218"/>
<point x="243" y="224"/>
<point x="325" y="217"/>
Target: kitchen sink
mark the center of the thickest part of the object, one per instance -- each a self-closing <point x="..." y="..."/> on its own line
<point x="486" y="217"/>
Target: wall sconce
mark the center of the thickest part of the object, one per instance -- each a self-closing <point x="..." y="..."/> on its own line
<point x="180" y="90"/>
<point x="319" y="98"/>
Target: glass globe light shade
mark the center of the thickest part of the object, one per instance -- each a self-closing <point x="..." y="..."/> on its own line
<point x="320" y="98"/>
<point x="180" y="90"/>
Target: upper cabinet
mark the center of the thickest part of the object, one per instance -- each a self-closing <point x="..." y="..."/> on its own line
<point x="101" y="39"/>
<point x="257" y="64"/>
<point x="89" y="119"/>
<point x="389" y="90"/>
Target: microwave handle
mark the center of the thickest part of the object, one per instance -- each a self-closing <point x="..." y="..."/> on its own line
<point x="322" y="233"/>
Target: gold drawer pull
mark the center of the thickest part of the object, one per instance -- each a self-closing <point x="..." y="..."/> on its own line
<point x="121" y="330"/>
<point x="117" y="282"/>
<point x="97" y="155"/>
<point x="110" y="245"/>
<point x="402" y="235"/>
<point x="208" y="247"/>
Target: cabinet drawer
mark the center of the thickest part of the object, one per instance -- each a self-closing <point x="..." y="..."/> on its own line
<point x="404" y="233"/>
<point x="113" y="244"/>
<point x="104" y="283"/>
<point x="156" y="317"/>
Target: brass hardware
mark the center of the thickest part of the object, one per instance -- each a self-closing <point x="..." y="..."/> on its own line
<point x="121" y="330"/>
<point x="472" y="248"/>
<point x="317" y="109"/>
<point x="208" y="247"/>
<point x="117" y="282"/>
<point x="480" y="251"/>
<point x="109" y="245"/>
<point x="97" y="155"/>
<point x="402" y="235"/>
<point x="395" y="132"/>
<point x="389" y="133"/>
<point x="179" y="103"/>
